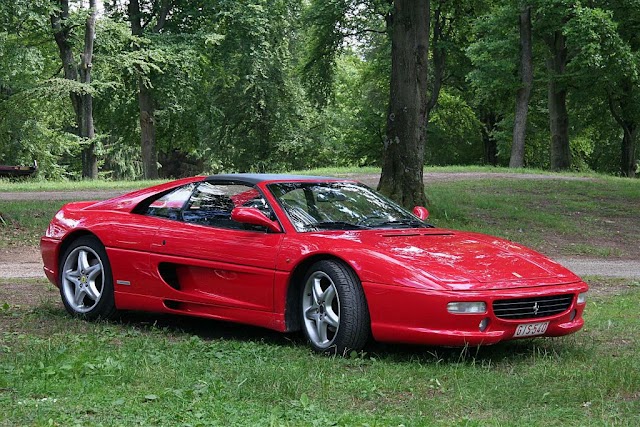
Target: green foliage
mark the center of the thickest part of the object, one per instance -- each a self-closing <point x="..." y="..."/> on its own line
<point x="272" y="85"/>
<point x="454" y="133"/>
<point x="494" y="55"/>
<point x="353" y="124"/>
<point x="253" y="115"/>
<point x="334" y="25"/>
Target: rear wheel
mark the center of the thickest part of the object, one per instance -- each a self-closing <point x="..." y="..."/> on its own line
<point x="86" y="284"/>
<point x="334" y="309"/>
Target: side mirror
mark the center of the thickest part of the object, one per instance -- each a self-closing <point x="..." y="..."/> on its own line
<point x="254" y="216"/>
<point x="421" y="212"/>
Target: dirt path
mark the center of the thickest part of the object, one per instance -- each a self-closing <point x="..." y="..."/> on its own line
<point x="62" y="195"/>
<point x="20" y="262"/>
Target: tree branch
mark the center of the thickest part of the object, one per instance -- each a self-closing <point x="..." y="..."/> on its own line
<point x="162" y="18"/>
<point x="617" y="117"/>
<point x="57" y="72"/>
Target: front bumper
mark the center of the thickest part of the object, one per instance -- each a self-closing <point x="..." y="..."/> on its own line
<point x="49" y="251"/>
<point x="411" y="315"/>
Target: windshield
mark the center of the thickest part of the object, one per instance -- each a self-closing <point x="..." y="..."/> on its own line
<point x="339" y="206"/>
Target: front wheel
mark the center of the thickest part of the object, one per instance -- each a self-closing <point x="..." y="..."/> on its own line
<point x="86" y="284"/>
<point x="334" y="309"/>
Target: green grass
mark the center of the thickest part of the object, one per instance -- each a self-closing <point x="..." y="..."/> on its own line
<point x="157" y="370"/>
<point x="101" y="184"/>
<point x="595" y="217"/>
<point x="98" y="184"/>
<point x="25" y="221"/>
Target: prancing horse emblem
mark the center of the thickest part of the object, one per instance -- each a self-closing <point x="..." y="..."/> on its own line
<point x="536" y="308"/>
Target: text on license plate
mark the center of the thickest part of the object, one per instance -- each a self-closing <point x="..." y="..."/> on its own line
<point x="531" y="329"/>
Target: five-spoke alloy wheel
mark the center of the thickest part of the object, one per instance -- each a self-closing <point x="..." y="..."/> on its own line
<point x="86" y="285"/>
<point x="334" y="310"/>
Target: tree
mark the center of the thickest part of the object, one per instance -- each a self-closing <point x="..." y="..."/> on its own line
<point x="524" y="92"/>
<point x="624" y="108"/>
<point x="623" y="96"/>
<point x="403" y="158"/>
<point x="552" y="18"/>
<point x="81" y="98"/>
<point x="158" y="13"/>
<point x="408" y="24"/>
<point x="605" y="68"/>
<point x="494" y="53"/>
<point x="558" y="114"/>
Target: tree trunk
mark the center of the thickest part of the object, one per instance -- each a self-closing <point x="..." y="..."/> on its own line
<point x="404" y="143"/>
<point x="628" y="158"/>
<point x="623" y="113"/>
<point x="82" y="104"/>
<point x="558" y="116"/>
<point x="61" y="34"/>
<point x="489" y="143"/>
<point x="145" y="94"/>
<point x="147" y="132"/>
<point x="87" y="130"/>
<point x="524" y="92"/>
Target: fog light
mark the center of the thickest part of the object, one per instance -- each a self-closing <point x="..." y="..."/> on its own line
<point x="582" y="298"/>
<point x="484" y="324"/>
<point x="466" y="307"/>
<point x="573" y="314"/>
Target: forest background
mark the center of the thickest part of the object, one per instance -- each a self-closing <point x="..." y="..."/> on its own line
<point x="125" y="89"/>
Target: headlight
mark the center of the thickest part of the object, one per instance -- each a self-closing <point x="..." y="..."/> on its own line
<point x="582" y="298"/>
<point x="466" y="307"/>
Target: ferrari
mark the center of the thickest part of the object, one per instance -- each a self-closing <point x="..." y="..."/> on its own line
<point x="327" y="256"/>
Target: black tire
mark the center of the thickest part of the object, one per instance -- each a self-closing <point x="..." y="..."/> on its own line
<point x="86" y="282"/>
<point x="334" y="321"/>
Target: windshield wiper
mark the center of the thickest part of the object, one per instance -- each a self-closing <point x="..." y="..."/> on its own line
<point x="336" y="225"/>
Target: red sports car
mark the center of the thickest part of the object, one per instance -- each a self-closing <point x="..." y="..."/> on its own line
<point x="325" y="255"/>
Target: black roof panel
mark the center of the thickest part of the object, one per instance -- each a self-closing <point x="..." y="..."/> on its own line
<point x="254" y="178"/>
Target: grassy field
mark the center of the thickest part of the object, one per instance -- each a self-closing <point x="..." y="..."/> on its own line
<point x="149" y="370"/>
<point x="597" y="217"/>
<point x="159" y="370"/>
<point x="41" y="185"/>
<point x="98" y="184"/>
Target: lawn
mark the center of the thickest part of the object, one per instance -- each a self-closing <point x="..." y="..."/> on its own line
<point x="598" y="218"/>
<point x="145" y="369"/>
<point x="162" y="370"/>
<point x="564" y="215"/>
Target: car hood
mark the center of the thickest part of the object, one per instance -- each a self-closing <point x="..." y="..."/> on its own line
<point x="465" y="261"/>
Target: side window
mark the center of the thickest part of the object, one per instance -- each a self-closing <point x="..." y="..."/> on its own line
<point x="170" y="205"/>
<point x="211" y="204"/>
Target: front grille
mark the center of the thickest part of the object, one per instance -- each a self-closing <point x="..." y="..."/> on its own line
<point x="531" y="308"/>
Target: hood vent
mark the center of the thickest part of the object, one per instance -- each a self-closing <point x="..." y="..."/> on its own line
<point x="400" y="234"/>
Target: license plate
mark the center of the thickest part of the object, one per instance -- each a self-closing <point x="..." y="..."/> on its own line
<point x="531" y="329"/>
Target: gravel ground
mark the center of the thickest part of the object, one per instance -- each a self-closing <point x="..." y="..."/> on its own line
<point x="21" y="263"/>
<point x="602" y="267"/>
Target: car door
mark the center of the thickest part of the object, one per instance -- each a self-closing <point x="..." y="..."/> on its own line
<point x="207" y="258"/>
